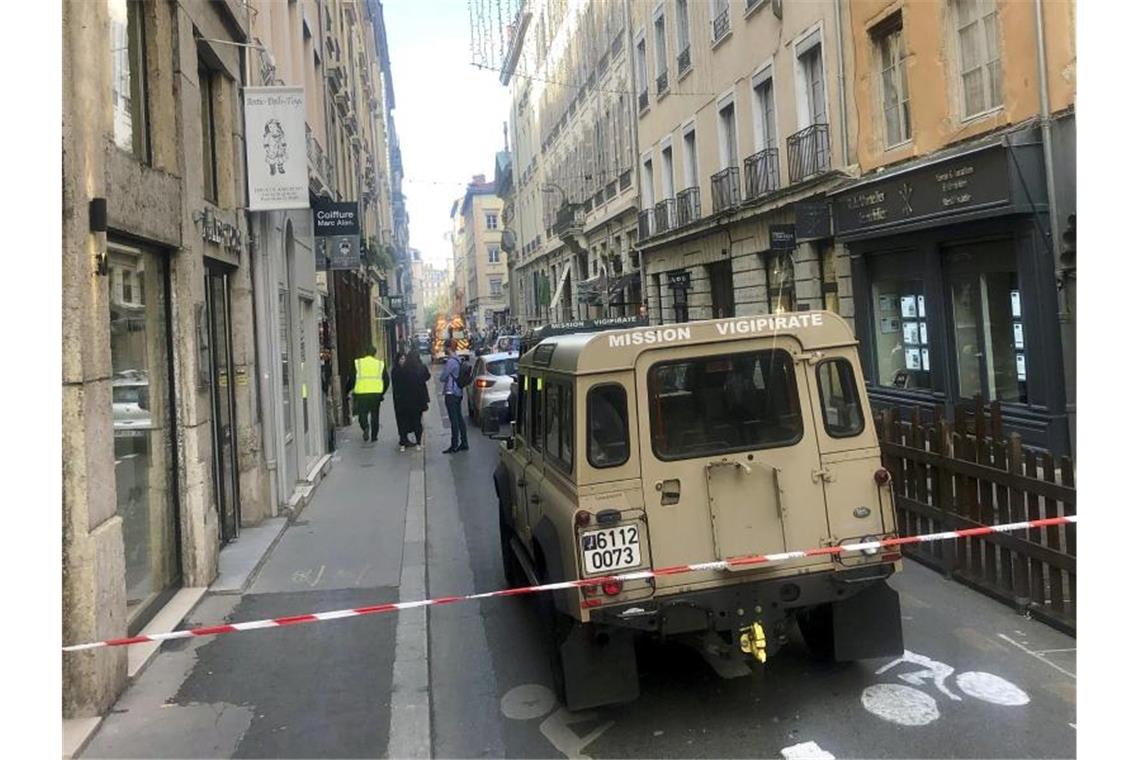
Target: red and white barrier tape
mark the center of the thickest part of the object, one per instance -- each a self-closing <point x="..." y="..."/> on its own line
<point x="634" y="576"/>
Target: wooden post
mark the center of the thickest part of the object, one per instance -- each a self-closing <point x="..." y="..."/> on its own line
<point x="1001" y="462"/>
<point x="1033" y="512"/>
<point x="1053" y="538"/>
<point x="1016" y="467"/>
<point x="948" y="552"/>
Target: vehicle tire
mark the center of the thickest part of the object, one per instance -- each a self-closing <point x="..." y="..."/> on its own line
<point x="556" y="627"/>
<point x="816" y="628"/>
<point x="512" y="570"/>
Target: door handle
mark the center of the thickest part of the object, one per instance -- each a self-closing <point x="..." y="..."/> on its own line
<point x="535" y="498"/>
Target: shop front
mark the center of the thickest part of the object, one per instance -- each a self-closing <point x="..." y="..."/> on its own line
<point x="219" y="349"/>
<point x="954" y="287"/>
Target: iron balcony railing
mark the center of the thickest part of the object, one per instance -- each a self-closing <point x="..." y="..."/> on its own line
<point x="645" y="224"/>
<point x="761" y="173"/>
<point x="688" y="206"/>
<point x="720" y="25"/>
<point x="725" y="189"/>
<point x="662" y="82"/>
<point x="809" y="153"/>
<point x="643" y="100"/>
<point x="683" y="61"/>
<point x="664" y="216"/>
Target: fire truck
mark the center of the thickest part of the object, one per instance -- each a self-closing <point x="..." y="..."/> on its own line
<point x="451" y="327"/>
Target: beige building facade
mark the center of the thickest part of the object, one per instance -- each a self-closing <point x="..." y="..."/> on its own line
<point x="742" y="130"/>
<point x="575" y="188"/>
<point x="484" y="261"/>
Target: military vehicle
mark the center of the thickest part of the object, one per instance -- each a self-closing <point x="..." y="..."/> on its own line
<point x="655" y="448"/>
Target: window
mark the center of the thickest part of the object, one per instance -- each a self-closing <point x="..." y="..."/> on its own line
<point x="128" y="78"/>
<point x="781" y="270"/>
<point x="720" y="280"/>
<point x="642" y="72"/>
<point x="559" y="409"/>
<point x="764" y="111"/>
<point x="607" y="420"/>
<point x="647" y="189"/>
<point x="209" y="144"/>
<point x="719" y="404"/>
<point x="839" y="398"/>
<point x="720" y="24"/>
<point x="661" y="52"/>
<point x="813" y="97"/>
<point x="728" y="150"/>
<point x="502" y="367"/>
<point x="496" y="287"/>
<point x="989" y="332"/>
<point x="683" y="61"/>
<point x="892" y="68"/>
<point x="667" y="173"/>
<point x="492" y="221"/>
<point x="690" y="149"/>
<point x="979" y="56"/>
<point x="493" y="254"/>
<point x="902" y="346"/>
<point x="829" y="282"/>
<point x="532" y="387"/>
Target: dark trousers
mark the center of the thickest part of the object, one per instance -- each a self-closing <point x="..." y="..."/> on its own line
<point x="455" y="415"/>
<point x="410" y="423"/>
<point x="368" y="412"/>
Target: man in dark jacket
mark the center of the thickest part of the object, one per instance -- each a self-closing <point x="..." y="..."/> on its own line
<point x="367" y="381"/>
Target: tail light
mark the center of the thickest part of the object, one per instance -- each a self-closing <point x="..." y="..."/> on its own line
<point x="611" y="587"/>
<point x="882" y="476"/>
<point x="483" y="383"/>
<point x="590" y="590"/>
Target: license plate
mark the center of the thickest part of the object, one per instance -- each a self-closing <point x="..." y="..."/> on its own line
<point x="609" y="549"/>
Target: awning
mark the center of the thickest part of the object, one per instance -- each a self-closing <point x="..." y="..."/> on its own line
<point x="561" y="284"/>
<point x="590" y="291"/>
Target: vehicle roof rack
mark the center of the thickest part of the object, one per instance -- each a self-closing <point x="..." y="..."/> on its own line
<point x="534" y="337"/>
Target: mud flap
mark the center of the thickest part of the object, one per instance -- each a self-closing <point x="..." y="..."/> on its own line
<point x="600" y="668"/>
<point x="868" y="624"/>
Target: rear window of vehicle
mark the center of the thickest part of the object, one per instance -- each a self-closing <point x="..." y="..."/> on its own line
<point x="719" y="404"/>
<point x="502" y="367"/>
<point x="839" y="395"/>
<point x="607" y="423"/>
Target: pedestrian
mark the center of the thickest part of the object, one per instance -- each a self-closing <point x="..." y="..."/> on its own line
<point x="368" y="381"/>
<point x="453" y="399"/>
<point x="410" y="395"/>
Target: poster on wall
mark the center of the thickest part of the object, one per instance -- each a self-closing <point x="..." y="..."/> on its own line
<point x="922" y="308"/>
<point x="1021" y="367"/>
<point x="1018" y="336"/>
<point x="336" y="228"/>
<point x="887" y="303"/>
<point x="922" y="333"/>
<point x="909" y="307"/>
<point x="889" y="325"/>
<point x="1015" y="303"/>
<point x="276" y="154"/>
<point x="925" y="360"/>
<point x="913" y="359"/>
<point x="910" y="333"/>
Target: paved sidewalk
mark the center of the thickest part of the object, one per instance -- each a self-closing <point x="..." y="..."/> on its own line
<point x="317" y="690"/>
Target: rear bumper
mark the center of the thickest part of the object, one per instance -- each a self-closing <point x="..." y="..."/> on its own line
<point x="729" y="607"/>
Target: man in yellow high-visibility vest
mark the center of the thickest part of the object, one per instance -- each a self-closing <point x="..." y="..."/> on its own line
<point x="368" y="382"/>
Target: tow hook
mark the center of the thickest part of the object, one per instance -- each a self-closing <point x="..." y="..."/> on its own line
<point x="753" y="642"/>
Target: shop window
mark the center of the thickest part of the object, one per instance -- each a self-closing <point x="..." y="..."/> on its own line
<point x="128" y="77"/>
<point x="989" y="332"/>
<point x="209" y="142"/>
<point x="839" y="398"/>
<point x="718" y="404"/>
<point x="781" y="269"/>
<point x="607" y="420"/>
<point x="902" y="343"/>
<point x="140" y="412"/>
<point x="720" y="279"/>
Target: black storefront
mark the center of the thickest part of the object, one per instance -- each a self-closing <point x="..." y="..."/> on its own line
<point x="954" y="284"/>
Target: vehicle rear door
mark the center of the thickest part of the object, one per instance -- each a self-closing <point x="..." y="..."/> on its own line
<point x="729" y="456"/>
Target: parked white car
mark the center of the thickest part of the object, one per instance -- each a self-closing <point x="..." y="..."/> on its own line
<point x="491" y="384"/>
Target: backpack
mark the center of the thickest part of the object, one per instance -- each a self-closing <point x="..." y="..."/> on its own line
<point x="466" y="374"/>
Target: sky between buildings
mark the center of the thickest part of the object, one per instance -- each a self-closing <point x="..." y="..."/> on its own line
<point x="449" y="115"/>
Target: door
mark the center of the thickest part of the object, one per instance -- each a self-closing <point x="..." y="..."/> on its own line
<point x="289" y="411"/>
<point x="223" y="407"/>
<point x="731" y="469"/>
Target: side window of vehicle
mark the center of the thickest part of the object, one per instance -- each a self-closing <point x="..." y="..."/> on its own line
<point x="520" y="406"/>
<point x="534" y="394"/>
<point x="839" y="398"/>
<point x="553" y="418"/>
<point x="566" y="450"/>
<point x="607" y="426"/>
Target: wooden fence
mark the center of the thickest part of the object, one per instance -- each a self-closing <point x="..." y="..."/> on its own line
<point x="964" y="473"/>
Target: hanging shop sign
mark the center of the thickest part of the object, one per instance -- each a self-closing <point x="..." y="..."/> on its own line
<point x="679" y="279"/>
<point x="336" y="229"/>
<point x="813" y="220"/>
<point x="782" y="237"/>
<point x="275" y="149"/>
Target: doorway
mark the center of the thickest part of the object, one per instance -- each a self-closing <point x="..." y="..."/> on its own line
<point x="222" y="404"/>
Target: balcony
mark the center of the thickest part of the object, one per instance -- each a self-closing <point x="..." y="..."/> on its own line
<point x="664" y="216"/>
<point x="643" y="100"/>
<point x="725" y="189"/>
<point x="809" y="153"/>
<point x="662" y="83"/>
<point x="688" y="206"/>
<point x="319" y="163"/>
<point x="761" y="173"/>
<point x="684" y="63"/>
<point x="645" y="224"/>
<point x="720" y="25"/>
<point x="569" y="219"/>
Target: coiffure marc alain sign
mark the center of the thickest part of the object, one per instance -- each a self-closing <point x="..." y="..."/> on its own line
<point x="737" y="327"/>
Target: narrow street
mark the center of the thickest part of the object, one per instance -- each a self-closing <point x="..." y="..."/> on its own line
<point x="351" y="688"/>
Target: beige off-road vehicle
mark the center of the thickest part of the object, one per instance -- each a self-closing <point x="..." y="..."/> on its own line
<point x="655" y="448"/>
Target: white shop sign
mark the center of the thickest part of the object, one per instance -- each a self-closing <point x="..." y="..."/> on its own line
<point x="275" y="150"/>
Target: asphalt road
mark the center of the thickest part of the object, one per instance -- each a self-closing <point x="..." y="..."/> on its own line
<point x="1008" y="686"/>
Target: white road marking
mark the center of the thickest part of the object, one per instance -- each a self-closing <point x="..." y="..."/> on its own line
<point x="318" y="579"/>
<point x="990" y="688"/>
<point x="1055" y="651"/>
<point x="936" y="671"/>
<point x="527" y="702"/>
<point x="806" y="751"/>
<point x="1073" y="726"/>
<point x="1031" y="653"/>
<point x="531" y="700"/>
<point x="902" y="705"/>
